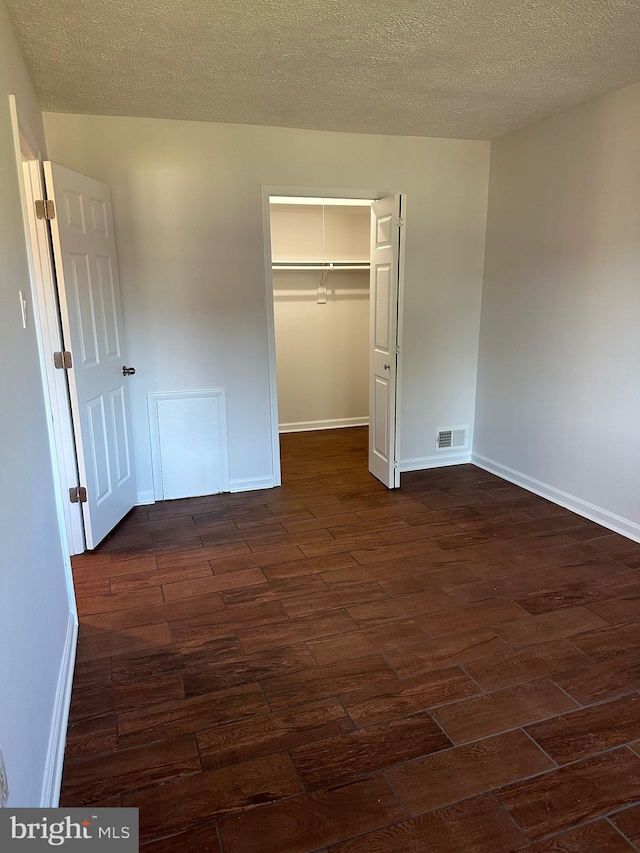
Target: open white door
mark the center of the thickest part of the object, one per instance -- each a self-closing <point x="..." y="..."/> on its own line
<point x="91" y="314"/>
<point x="383" y="339"/>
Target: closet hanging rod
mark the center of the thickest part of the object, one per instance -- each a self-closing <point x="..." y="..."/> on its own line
<point x="319" y="265"/>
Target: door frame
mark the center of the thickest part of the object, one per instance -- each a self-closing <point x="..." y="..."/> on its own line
<point x="46" y="321"/>
<point x="319" y="192"/>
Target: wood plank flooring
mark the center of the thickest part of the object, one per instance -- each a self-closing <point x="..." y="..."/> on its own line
<point x="331" y="667"/>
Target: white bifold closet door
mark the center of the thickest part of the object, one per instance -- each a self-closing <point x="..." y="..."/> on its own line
<point x="91" y="314"/>
<point x="383" y="339"/>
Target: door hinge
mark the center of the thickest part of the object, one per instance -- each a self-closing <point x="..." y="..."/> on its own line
<point x="45" y="208"/>
<point x="401" y="222"/>
<point x="62" y="360"/>
<point x="78" y="494"/>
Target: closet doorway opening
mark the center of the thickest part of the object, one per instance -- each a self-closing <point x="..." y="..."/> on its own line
<point x="334" y="265"/>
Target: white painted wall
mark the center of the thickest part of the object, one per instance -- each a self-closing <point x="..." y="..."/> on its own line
<point x="34" y="607"/>
<point x="322" y="348"/>
<point x="320" y="232"/>
<point x="187" y="205"/>
<point x="559" y="373"/>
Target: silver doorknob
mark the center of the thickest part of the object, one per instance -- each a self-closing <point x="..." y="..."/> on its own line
<point x="128" y="371"/>
<point x="387" y="367"/>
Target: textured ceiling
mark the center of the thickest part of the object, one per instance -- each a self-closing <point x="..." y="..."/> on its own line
<point x="453" y="68"/>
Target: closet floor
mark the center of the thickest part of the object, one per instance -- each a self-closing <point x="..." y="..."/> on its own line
<point x="331" y="666"/>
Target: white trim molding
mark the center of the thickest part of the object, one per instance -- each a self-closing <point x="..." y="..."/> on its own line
<point x="252" y="484"/>
<point x="48" y="334"/>
<point x="423" y="463"/>
<point x="145" y="498"/>
<point x="334" y="423"/>
<point x="283" y="192"/>
<point x="602" y="516"/>
<point x="58" y="734"/>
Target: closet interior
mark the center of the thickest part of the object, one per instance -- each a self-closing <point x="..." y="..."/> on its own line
<point x="320" y="251"/>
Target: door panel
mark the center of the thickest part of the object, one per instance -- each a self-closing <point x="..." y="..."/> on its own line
<point x="91" y="313"/>
<point x="119" y="416"/>
<point x="381" y="419"/>
<point x="97" y="445"/>
<point x="83" y="303"/>
<point x="383" y="339"/>
<point x="382" y="292"/>
<point x="110" y="303"/>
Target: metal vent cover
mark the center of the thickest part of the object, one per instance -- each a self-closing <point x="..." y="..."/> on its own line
<point x="451" y="438"/>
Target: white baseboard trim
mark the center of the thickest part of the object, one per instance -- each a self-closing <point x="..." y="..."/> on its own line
<point x="58" y="735"/>
<point x="335" y="423"/>
<point x="440" y="460"/>
<point x="251" y="484"/>
<point x="146" y="497"/>
<point x="602" y="516"/>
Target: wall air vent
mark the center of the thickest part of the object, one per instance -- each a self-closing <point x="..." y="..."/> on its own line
<point x="451" y="438"/>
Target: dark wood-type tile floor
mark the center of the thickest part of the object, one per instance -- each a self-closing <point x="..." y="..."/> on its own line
<point x="331" y="666"/>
